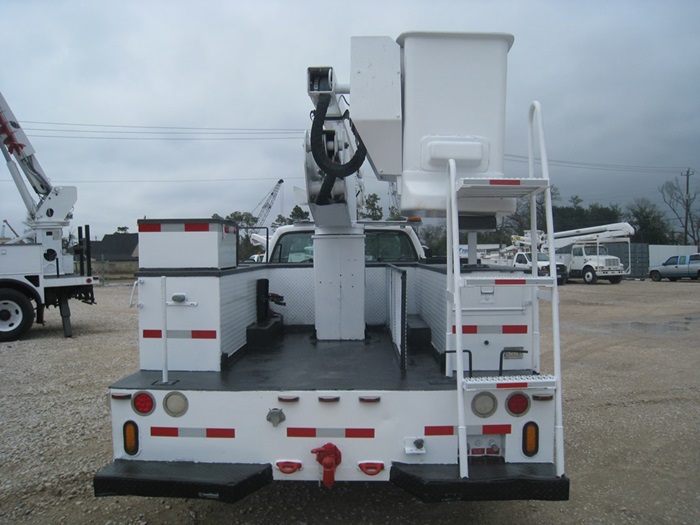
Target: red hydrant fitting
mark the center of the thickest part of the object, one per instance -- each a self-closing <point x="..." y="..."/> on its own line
<point x="329" y="457"/>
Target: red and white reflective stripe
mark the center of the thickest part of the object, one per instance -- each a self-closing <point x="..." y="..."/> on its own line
<point x="451" y="430"/>
<point x="180" y="334"/>
<point x="493" y="329"/>
<point x="179" y="227"/>
<point x="307" y="432"/>
<point x="504" y="182"/>
<point x="190" y="432"/>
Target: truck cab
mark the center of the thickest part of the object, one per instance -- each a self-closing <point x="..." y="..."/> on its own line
<point x="383" y="243"/>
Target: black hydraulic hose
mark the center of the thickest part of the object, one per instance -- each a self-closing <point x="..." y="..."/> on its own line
<point x="332" y="169"/>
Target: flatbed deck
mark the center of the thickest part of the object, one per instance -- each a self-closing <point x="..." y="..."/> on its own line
<point x="295" y="362"/>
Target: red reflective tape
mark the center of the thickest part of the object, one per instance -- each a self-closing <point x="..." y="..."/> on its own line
<point x="359" y="432"/>
<point x="196" y="226"/>
<point x="504" y="182"/>
<point x="221" y="433"/>
<point x="152" y="334"/>
<point x="511" y="385"/>
<point x="203" y="334"/>
<point x="495" y="429"/>
<point x="149" y="227"/>
<point x="440" y="431"/>
<point x="514" y="328"/>
<point x="164" y="431"/>
<point x="509" y="281"/>
<point x="301" y="432"/>
<point x="478" y="451"/>
<point x="467" y="329"/>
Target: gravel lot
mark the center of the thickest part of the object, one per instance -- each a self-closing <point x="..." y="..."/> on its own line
<point x="631" y="361"/>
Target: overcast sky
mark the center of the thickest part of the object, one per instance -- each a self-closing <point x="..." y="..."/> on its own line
<point x="619" y="82"/>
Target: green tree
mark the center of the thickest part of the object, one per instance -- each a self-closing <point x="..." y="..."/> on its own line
<point x="434" y="237"/>
<point x="245" y="221"/>
<point x="281" y="220"/>
<point x="371" y="210"/>
<point x="298" y="215"/>
<point x="395" y="214"/>
<point x="649" y="223"/>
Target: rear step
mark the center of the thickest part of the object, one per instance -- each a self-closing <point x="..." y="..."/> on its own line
<point x="179" y="479"/>
<point x="511" y="481"/>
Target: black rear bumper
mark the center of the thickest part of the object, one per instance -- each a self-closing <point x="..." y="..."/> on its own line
<point x="231" y="482"/>
<point x="512" y="481"/>
<point x="220" y="481"/>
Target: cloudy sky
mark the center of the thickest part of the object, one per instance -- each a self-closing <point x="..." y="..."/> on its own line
<point x="174" y="108"/>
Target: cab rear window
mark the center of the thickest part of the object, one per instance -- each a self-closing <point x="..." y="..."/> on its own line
<point x="380" y="246"/>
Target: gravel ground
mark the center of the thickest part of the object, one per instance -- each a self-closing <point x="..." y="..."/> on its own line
<point x="632" y="420"/>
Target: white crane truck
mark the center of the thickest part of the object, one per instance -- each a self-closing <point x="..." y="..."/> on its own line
<point x="342" y="370"/>
<point x="37" y="269"/>
<point x="584" y="251"/>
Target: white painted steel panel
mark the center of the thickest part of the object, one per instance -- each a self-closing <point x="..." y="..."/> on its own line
<point x="193" y="332"/>
<point x="175" y="245"/>
<point x="339" y="293"/>
<point x="454" y="92"/>
<point x="20" y="259"/>
<point x="375" y="91"/>
<point x="386" y="425"/>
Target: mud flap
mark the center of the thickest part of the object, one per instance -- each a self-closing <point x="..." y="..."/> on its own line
<point x="512" y="481"/>
<point x="220" y="481"/>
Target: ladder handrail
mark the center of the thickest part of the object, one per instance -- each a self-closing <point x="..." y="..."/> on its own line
<point x="454" y="270"/>
<point x="536" y="130"/>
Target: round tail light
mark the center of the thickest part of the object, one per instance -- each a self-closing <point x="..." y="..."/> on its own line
<point x="517" y="404"/>
<point x="484" y="404"/>
<point x="143" y="403"/>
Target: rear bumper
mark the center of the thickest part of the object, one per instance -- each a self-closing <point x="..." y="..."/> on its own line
<point x="512" y="481"/>
<point x="220" y="481"/>
<point x="231" y="482"/>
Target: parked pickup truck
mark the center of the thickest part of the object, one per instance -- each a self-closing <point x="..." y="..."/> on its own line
<point x="523" y="260"/>
<point x="677" y="267"/>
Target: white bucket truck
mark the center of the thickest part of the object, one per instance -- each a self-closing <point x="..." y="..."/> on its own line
<point x="37" y="268"/>
<point x="426" y="376"/>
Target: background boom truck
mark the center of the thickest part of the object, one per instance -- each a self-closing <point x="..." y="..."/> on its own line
<point x="37" y="269"/>
<point x="425" y="376"/>
<point x="585" y="252"/>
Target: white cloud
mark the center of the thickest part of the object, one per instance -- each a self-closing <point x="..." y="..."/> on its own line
<point x="618" y="83"/>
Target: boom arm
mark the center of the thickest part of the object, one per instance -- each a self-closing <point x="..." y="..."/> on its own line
<point x="55" y="203"/>
<point x="604" y="233"/>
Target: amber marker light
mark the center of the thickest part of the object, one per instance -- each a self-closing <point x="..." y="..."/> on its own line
<point x="131" y="438"/>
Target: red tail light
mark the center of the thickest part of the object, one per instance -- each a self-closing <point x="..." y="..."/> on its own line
<point x="143" y="403"/>
<point x="517" y="404"/>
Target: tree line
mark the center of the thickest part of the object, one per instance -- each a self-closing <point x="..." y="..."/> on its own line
<point x="649" y="221"/>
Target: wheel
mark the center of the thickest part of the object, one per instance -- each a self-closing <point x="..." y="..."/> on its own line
<point x="615" y="280"/>
<point x="16" y="314"/>
<point x="589" y="276"/>
<point x="655" y="276"/>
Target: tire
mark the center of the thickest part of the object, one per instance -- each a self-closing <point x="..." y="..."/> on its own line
<point x="589" y="275"/>
<point x="615" y="280"/>
<point x="16" y="314"/>
<point x="655" y="276"/>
